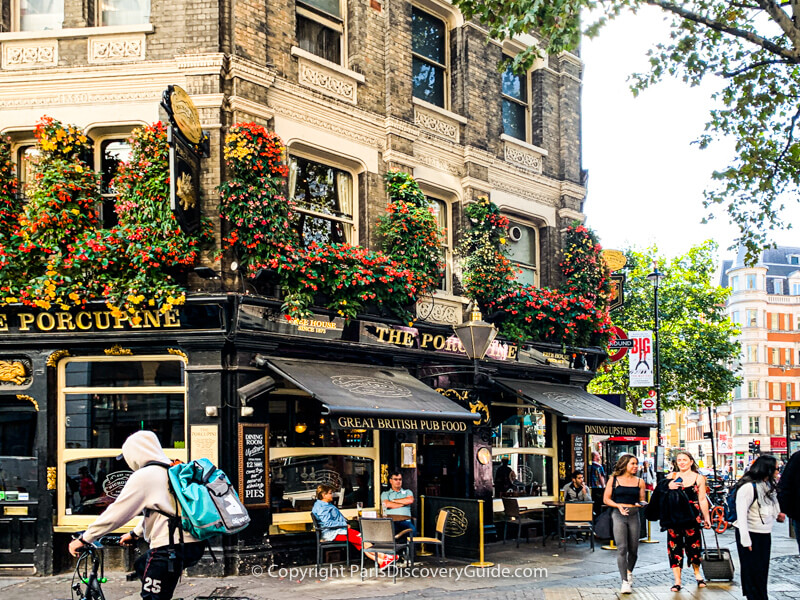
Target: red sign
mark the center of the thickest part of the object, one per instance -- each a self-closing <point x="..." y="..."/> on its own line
<point x="777" y="443"/>
<point x="652" y="393"/>
<point x="648" y="404"/>
<point x="618" y="344"/>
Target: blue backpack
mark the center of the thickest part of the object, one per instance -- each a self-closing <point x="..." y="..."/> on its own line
<point x="207" y="503"/>
<point x="730" y="504"/>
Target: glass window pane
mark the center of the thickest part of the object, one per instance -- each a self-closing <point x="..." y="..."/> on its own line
<point x="331" y="7"/>
<point x="514" y="85"/>
<point x="93" y="484"/>
<point x="124" y="373"/>
<point x="514" y="120"/>
<point x="428" y="82"/>
<point x="106" y="420"/>
<point x="523" y="428"/>
<point x="294" y="481"/>
<point x="114" y="152"/>
<point x="533" y="473"/>
<point x="522" y="244"/>
<point x="124" y="12"/>
<point x="17" y="430"/>
<point x="326" y="190"/>
<point x="427" y="36"/>
<point x="40" y="15"/>
<point x="319" y="40"/>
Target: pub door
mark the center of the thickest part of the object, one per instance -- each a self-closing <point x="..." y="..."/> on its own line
<point x="18" y="485"/>
<point x="442" y="468"/>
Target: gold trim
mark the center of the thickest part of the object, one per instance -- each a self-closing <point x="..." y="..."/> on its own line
<point x="13" y="371"/>
<point x="29" y="399"/>
<point x="51" y="478"/>
<point x="53" y="359"/>
<point x="117" y="350"/>
<point x="177" y="352"/>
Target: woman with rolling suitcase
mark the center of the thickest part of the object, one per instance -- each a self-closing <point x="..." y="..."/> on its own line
<point x="756" y="512"/>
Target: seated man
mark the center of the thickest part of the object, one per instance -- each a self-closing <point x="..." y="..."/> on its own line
<point x="504" y="478"/>
<point x="576" y="490"/>
<point x="398" y="501"/>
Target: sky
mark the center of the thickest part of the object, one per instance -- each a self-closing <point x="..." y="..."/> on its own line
<point x="646" y="179"/>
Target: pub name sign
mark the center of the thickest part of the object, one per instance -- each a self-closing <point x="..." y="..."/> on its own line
<point x="97" y="320"/>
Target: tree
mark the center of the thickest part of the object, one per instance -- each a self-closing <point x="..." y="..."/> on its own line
<point x="753" y="44"/>
<point x="697" y="340"/>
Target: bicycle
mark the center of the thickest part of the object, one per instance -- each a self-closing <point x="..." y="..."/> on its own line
<point x="716" y="498"/>
<point x="91" y="576"/>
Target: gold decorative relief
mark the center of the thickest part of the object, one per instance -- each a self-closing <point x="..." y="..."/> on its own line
<point x="51" y="478"/>
<point x="13" y="371"/>
<point x="177" y="352"/>
<point x="117" y="350"/>
<point x="53" y="359"/>
<point x="29" y="399"/>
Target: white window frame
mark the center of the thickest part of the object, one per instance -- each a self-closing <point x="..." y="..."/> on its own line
<point x="123" y="134"/>
<point x="752" y="388"/>
<point x="738" y="425"/>
<point x="515" y="220"/>
<point x="446" y="66"/>
<point x="526" y="104"/>
<point x="447" y="244"/>
<point x="66" y="455"/>
<point x="328" y="22"/>
<point x="754" y="423"/>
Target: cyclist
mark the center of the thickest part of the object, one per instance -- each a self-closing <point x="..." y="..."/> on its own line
<point x="147" y="492"/>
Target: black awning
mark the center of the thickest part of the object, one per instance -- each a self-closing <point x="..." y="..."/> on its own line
<point x="578" y="406"/>
<point x="388" y="398"/>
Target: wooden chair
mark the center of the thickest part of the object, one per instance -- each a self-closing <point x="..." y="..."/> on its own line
<point x="438" y="541"/>
<point x="323" y="545"/>
<point x="577" y="519"/>
<point x="377" y="535"/>
<point x="527" y="519"/>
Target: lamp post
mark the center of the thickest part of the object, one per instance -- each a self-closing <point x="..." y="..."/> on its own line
<point x="476" y="335"/>
<point x="655" y="277"/>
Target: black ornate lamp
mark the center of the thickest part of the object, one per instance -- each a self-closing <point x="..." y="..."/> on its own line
<point x="476" y="335"/>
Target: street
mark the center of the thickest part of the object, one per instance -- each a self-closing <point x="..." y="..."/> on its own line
<point x="528" y="573"/>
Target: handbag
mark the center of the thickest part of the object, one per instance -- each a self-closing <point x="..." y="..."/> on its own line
<point x="603" y="527"/>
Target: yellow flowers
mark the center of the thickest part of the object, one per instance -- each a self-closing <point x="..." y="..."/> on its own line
<point x="75" y="212"/>
<point x="502" y="240"/>
<point x="134" y="299"/>
<point x="74" y="297"/>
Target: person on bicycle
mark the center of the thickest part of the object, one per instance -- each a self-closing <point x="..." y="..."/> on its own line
<point x="147" y="493"/>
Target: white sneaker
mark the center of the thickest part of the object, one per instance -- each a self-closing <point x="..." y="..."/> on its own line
<point x="630" y="579"/>
<point x="626" y="588"/>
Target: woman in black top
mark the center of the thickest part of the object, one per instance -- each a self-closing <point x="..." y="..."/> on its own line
<point x="625" y="493"/>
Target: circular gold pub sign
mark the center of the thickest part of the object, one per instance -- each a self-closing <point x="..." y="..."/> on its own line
<point x="615" y="259"/>
<point x="185" y="114"/>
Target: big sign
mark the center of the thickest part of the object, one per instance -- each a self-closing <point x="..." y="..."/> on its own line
<point x="641" y="359"/>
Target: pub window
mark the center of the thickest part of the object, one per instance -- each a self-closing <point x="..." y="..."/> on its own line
<point x="533" y="473"/>
<point x="320" y="28"/>
<point x="429" y="57"/>
<point x="17" y="427"/>
<point x="102" y="400"/>
<point x="527" y="428"/>
<point x="123" y="12"/>
<point x="306" y="450"/>
<point x="441" y="210"/>
<point x="523" y="251"/>
<point x="40" y="15"/>
<point x="514" y="97"/>
<point x="111" y="153"/>
<point x="324" y="198"/>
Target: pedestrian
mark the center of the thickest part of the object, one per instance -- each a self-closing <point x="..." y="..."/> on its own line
<point x="684" y="507"/>
<point x="789" y="493"/>
<point x="756" y="511"/>
<point x="597" y="481"/>
<point x="625" y="493"/>
<point x="648" y="475"/>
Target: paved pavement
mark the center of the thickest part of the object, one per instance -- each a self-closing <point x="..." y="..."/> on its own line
<point x="531" y="572"/>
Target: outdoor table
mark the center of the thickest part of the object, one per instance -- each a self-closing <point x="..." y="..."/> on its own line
<point x="559" y="506"/>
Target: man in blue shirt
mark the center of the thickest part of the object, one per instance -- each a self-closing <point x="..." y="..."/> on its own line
<point x="398" y="501"/>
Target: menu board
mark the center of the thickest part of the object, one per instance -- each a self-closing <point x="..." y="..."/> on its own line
<point x="253" y="465"/>
<point x="578" y="452"/>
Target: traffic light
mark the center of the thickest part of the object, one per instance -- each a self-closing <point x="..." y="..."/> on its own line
<point x="755" y="447"/>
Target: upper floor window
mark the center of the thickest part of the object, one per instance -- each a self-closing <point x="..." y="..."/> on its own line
<point x="774" y="321"/>
<point x="124" y="12"/>
<point x="794" y="259"/>
<point x="738" y="425"/>
<point x="775" y="360"/>
<point x="736" y="317"/>
<point x="324" y="198"/>
<point x="754" y="423"/>
<point x="25" y="159"/>
<point x="751" y="318"/>
<point x="777" y="286"/>
<point x="320" y="28"/>
<point x="751" y="282"/>
<point x="112" y="153"/>
<point x="40" y="15"/>
<point x="429" y="57"/>
<point x="752" y="354"/>
<point x="752" y="389"/>
<point x="441" y="210"/>
<point x="796" y="289"/>
<point x="735" y="283"/>
<point x="515" y="104"/>
<point x="523" y="251"/>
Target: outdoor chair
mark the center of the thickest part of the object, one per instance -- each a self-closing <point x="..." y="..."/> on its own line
<point x="322" y="545"/>
<point x="577" y="519"/>
<point x="438" y="540"/>
<point x="377" y="535"/>
<point x="533" y="518"/>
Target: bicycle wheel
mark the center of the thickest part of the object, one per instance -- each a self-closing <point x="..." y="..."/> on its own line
<point x="718" y="519"/>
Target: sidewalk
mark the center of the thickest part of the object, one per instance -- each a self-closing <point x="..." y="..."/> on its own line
<point x="528" y="573"/>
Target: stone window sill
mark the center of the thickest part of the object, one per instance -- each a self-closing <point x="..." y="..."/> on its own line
<point x="526" y="145"/>
<point x="76" y="32"/>
<point x="299" y="52"/>
<point x="438" y="109"/>
<point x="523" y="155"/>
<point x="326" y="77"/>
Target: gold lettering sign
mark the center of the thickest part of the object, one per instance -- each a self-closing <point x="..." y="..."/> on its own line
<point x="86" y="321"/>
<point x="185" y="114"/>
<point x="412" y="338"/>
<point x="409" y="424"/>
<point x="612" y="430"/>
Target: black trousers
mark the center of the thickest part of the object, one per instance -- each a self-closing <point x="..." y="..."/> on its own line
<point x="755" y="565"/>
<point x="160" y="568"/>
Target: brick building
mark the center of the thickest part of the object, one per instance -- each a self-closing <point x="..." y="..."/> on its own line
<point x="354" y="89"/>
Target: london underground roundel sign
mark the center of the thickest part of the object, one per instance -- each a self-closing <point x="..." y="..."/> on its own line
<point x="619" y="344"/>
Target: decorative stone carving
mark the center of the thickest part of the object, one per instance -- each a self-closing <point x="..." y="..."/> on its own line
<point x="523" y="157"/>
<point x="327" y="81"/>
<point x="108" y="49"/>
<point x="439" y="311"/>
<point x="30" y="55"/>
<point x="434" y="123"/>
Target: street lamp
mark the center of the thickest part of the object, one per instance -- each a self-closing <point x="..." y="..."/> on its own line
<point x="656" y="276"/>
<point x="476" y="335"/>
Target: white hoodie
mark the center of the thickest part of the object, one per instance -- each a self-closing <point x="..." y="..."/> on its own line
<point x="760" y="515"/>
<point x="147" y="487"/>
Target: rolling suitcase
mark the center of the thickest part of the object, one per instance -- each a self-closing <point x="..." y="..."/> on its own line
<point x="717" y="564"/>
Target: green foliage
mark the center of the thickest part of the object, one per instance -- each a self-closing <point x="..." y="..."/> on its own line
<point x="10" y="203"/>
<point x="697" y="340"/>
<point x="754" y="46"/>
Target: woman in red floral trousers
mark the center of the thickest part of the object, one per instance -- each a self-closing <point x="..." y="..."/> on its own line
<point x="687" y="540"/>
